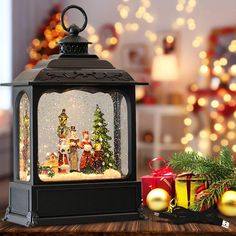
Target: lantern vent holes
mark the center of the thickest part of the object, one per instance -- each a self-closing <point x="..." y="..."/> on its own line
<point x="73" y="48"/>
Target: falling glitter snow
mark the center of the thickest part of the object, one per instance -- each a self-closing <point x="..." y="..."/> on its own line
<point x="80" y="107"/>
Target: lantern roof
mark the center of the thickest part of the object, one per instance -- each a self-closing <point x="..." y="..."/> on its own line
<point x="73" y="66"/>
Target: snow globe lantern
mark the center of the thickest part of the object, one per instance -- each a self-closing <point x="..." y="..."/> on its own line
<point x="74" y="139"/>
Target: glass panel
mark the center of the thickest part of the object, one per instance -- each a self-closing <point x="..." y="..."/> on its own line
<point x="24" y="138"/>
<point x="82" y="136"/>
<point x="123" y="137"/>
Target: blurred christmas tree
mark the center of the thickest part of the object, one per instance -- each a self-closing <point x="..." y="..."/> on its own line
<point x="100" y="136"/>
<point x="45" y="42"/>
<point x="211" y="104"/>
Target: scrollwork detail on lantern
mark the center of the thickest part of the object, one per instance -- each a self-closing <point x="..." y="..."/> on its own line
<point x="106" y="76"/>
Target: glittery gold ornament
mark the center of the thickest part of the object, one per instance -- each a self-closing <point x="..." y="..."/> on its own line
<point x="158" y="199"/>
<point x="227" y="203"/>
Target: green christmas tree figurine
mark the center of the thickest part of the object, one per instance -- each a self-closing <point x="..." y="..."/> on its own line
<point x="101" y="136"/>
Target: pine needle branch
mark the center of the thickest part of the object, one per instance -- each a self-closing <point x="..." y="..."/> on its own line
<point x="211" y="168"/>
<point x="226" y="158"/>
<point x="219" y="172"/>
<point x="211" y="195"/>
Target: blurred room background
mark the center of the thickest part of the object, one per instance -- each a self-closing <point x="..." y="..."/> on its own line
<point x="185" y="49"/>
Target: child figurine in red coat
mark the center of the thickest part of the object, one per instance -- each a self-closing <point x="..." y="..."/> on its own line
<point x="86" y="161"/>
<point x="98" y="158"/>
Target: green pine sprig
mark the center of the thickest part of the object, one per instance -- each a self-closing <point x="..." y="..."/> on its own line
<point x="211" y="195"/>
<point x="226" y="158"/>
<point x="219" y="172"/>
<point x="213" y="169"/>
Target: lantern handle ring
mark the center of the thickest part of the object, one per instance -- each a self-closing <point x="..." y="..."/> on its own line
<point x="74" y="29"/>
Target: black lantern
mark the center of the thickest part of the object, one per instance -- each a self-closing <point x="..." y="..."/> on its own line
<point x="74" y="140"/>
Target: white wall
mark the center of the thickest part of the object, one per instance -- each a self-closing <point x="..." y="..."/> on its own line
<point x="6" y="49"/>
<point x="28" y="15"/>
<point x="208" y="14"/>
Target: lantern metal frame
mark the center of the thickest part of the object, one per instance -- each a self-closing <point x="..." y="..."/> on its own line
<point x="37" y="202"/>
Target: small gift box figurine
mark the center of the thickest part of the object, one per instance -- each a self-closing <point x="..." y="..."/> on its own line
<point x="186" y="188"/>
<point x="160" y="178"/>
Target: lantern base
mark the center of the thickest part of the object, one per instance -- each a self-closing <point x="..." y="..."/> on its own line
<point x="33" y="220"/>
<point x="58" y="204"/>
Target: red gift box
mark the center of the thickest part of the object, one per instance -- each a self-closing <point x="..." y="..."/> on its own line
<point x="160" y="178"/>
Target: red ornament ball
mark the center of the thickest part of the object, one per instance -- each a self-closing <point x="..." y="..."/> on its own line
<point x="227" y="109"/>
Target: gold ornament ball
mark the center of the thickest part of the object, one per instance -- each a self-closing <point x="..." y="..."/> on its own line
<point x="227" y="203"/>
<point x="158" y="199"/>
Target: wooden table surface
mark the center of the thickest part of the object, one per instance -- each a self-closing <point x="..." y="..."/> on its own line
<point x="153" y="226"/>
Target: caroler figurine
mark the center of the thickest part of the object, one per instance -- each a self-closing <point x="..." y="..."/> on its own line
<point x="73" y="155"/>
<point x="86" y="161"/>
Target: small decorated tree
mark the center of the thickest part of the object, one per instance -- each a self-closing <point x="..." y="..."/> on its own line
<point x="101" y="136"/>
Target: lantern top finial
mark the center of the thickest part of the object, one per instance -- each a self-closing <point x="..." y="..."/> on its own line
<point x="74" y="29"/>
<point x="73" y="44"/>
